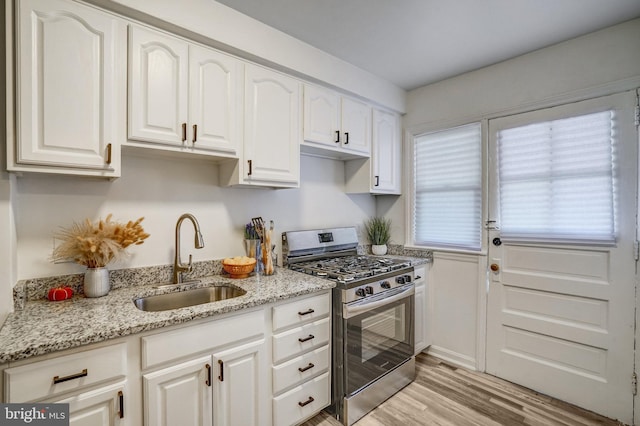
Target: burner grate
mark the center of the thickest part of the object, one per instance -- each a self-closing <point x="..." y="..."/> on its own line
<point x="350" y="268"/>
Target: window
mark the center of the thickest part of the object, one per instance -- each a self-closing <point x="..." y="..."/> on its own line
<point x="557" y="179"/>
<point x="447" y="203"/>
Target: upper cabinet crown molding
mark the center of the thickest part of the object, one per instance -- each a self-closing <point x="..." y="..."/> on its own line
<point x="183" y="96"/>
<point x="70" y="77"/>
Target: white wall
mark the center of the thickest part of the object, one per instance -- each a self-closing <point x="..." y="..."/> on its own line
<point x="7" y="229"/>
<point x="588" y="66"/>
<point x="161" y="189"/>
<point x="220" y="26"/>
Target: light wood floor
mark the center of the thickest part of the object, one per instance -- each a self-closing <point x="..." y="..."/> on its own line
<point x="446" y="395"/>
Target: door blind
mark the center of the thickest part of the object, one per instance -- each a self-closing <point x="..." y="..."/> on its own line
<point x="448" y="188"/>
<point x="557" y="179"/>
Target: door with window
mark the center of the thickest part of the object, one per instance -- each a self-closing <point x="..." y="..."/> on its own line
<point x="561" y="278"/>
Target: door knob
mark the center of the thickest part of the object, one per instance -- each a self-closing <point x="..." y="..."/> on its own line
<point x="494" y="267"/>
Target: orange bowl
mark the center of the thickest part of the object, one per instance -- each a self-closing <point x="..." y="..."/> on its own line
<point x="239" y="271"/>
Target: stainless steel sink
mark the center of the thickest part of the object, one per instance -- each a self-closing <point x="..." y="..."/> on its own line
<point x="182" y="299"/>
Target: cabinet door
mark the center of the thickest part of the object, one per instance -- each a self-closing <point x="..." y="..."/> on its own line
<point x="386" y="154"/>
<point x="179" y="395"/>
<point x="321" y="116"/>
<point x="158" y="87"/>
<point x="240" y="390"/>
<point x="68" y="79"/>
<point x="272" y="128"/>
<point x="422" y="325"/>
<point x="214" y="98"/>
<point x="101" y="407"/>
<point x="356" y="126"/>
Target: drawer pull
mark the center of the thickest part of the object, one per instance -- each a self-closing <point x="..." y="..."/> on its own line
<point x="306" y="339"/>
<point x="208" y="381"/>
<point x="310" y="311"/>
<point x="307" y="402"/>
<point x="58" y="379"/>
<point x="308" y="367"/>
<point x="221" y="376"/>
<point x="121" y="402"/>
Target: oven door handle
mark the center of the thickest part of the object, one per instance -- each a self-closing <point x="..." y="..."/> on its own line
<point x="349" y="311"/>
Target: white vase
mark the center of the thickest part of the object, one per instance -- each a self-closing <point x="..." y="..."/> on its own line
<point x="96" y="282"/>
<point x="379" y="249"/>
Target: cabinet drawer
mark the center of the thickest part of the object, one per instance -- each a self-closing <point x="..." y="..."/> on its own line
<point x="184" y="342"/>
<point x="301" y="311"/>
<point x="300" y="339"/>
<point x="420" y="272"/>
<point x="300" y="369"/>
<point x="301" y="402"/>
<point x="44" y="379"/>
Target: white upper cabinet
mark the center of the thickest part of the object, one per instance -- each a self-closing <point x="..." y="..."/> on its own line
<point x="356" y="126"/>
<point x="321" y="116"/>
<point x="70" y="78"/>
<point x="379" y="174"/>
<point x="183" y="95"/>
<point x="158" y="85"/>
<point x="272" y="132"/>
<point x="215" y="94"/>
<point x="335" y="126"/>
<point x="387" y="152"/>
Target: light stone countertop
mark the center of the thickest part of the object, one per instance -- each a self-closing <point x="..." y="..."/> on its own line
<point x="43" y="327"/>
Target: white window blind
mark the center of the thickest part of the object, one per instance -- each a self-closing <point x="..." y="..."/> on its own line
<point x="557" y="180"/>
<point x="448" y="188"/>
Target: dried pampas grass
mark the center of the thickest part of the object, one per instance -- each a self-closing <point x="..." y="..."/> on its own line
<point x="96" y="244"/>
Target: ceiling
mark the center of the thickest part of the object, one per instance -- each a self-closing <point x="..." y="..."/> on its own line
<point x="416" y="42"/>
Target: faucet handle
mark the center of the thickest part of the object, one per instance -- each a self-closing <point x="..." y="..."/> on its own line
<point x="189" y="266"/>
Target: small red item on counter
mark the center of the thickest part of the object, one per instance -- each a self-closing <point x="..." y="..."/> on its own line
<point x="60" y="293"/>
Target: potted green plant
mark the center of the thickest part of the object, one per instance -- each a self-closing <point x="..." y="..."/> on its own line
<point x="378" y="231"/>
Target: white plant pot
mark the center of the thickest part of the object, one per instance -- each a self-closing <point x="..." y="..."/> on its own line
<point x="96" y="282"/>
<point x="379" y="249"/>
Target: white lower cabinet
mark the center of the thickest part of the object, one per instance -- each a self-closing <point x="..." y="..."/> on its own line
<point x="104" y="406"/>
<point x="239" y="386"/>
<point x="179" y="395"/>
<point x="301" y="359"/>
<point x="222" y="385"/>
<point x="268" y="366"/>
<point x="91" y="381"/>
<point x="422" y="325"/>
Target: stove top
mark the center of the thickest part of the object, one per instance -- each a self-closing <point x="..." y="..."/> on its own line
<point x="345" y="269"/>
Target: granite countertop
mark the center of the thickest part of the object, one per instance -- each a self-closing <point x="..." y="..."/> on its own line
<point x="42" y="327"/>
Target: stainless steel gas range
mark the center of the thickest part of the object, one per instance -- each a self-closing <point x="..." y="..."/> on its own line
<point x="373" y="317"/>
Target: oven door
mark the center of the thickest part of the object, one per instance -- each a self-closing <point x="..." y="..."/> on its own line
<point x="378" y="336"/>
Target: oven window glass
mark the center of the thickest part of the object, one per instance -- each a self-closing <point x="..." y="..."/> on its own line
<point x="382" y="331"/>
<point x="378" y="341"/>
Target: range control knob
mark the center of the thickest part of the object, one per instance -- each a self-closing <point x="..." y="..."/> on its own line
<point x="407" y="278"/>
<point x="400" y="280"/>
<point x="360" y="292"/>
<point x="368" y="289"/>
<point x="385" y="284"/>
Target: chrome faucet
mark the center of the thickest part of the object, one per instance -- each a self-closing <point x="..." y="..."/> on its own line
<point x="178" y="267"/>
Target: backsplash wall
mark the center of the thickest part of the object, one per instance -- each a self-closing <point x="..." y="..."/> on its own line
<point x="163" y="188"/>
